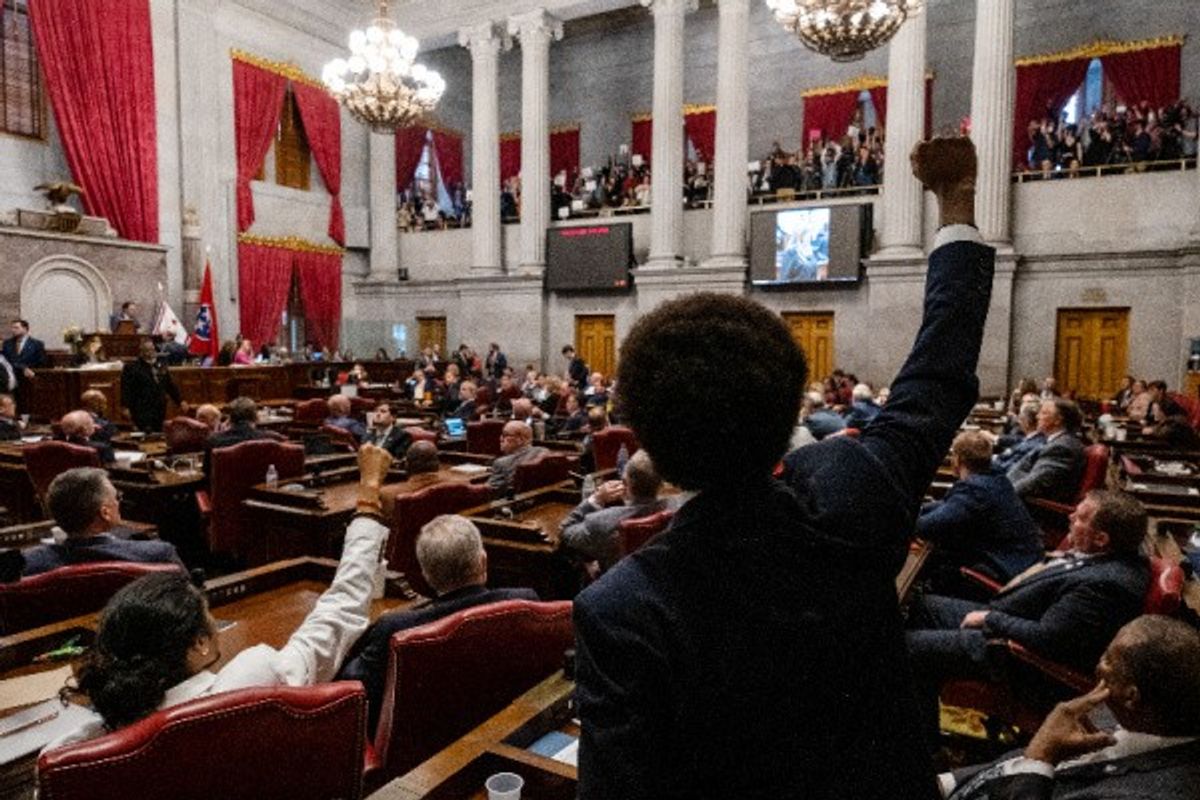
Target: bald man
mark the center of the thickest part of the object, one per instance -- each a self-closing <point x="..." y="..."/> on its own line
<point x="78" y="428"/>
<point x="339" y="417"/>
<point x="516" y="445"/>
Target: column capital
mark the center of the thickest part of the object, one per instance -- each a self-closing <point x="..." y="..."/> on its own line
<point x="671" y="6"/>
<point x="484" y="39"/>
<point x="535" y="23"/>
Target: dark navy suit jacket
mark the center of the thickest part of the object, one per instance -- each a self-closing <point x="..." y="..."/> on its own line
<point x="368" y="660"/>
<point x="104" y="547"/>
<point x="32" y="356"/>
<point x="981" y="521"/>
<point x="754" y="649"/>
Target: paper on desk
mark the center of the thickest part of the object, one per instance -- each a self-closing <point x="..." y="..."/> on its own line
<point x="29" y="689"/>
<point x="132" y="456"/>
<point x="59" y="721"/>
<point x="469" y="469"/>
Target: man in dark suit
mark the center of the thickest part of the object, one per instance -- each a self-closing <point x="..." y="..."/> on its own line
<point x="577" y="368"/>
<point x="453" y="561"/>
<point x="1067" y="608"/>
<point x="754" y="649"/>
<point x="1011" y="448"/>
<point x="339" y="417"/>
<point x="85" y="505"/>
<point x="1052" y="471"/>
<point x="465" y="410"/>
<point x="516" y="447"/>
<point x="385" y="433"/>
<point x="126" y="314"/>
<point x="24" y="354"/>
<point x="78" y="428"/>
<point x="95" y="403"/>
<point x="243" y="413"/>
<point x="863" y="409"/>
<point x="496" y="363"/>
<point x="145" y="388"/>
<point x="1150" y="680"/>
<point x="980" y="523"/>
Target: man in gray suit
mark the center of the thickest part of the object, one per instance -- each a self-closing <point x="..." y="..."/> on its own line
<point x="516" y="445"/>
<point x="589" y="532"/>
<point x="1053" y="471"/>
<point x="1150" y="681"/>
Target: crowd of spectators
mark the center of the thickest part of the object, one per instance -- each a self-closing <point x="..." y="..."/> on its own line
<point x="853" y="161"/>
<point x="1134" y="136"/>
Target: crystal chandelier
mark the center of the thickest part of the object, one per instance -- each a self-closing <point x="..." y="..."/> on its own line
<point x="844" y="30"/>
<point x="379" y="84"/>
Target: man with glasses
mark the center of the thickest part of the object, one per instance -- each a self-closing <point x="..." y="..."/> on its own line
<point x="87" y="507"/>
<point x="516" y="446"/>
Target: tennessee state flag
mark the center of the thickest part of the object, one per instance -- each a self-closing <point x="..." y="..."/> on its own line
<point x="205" y="341"/>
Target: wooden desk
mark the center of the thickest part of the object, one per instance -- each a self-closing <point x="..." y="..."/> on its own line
<point x="521" y="536"/>
<point x="266" y="605"/>
<point x="500" y="745"/>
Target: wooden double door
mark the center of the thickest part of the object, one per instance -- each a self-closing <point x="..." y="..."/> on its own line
<point x="813" y="331"/>
<point x="1091" y="351"/>
<point x="596" y="342"/>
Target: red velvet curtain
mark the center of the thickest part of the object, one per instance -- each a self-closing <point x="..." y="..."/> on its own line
<point x="323" y="127"/>
<point x="320" y="277"/>
<point x="701" y="128"/>
<point x="449" y="148"/>
<point x="829" y="113"/>
<point x="257" y="104"/>
<point x="1042" y="89"/>
<point x="98" y="63"/>
<point x="264" y="278"/>
<point x="410" y="143"/>
<point x="564" y="153"/>
<point x="1145" y="75"/>
<point x="642" y="140"/>
<point x="510" y="157"/>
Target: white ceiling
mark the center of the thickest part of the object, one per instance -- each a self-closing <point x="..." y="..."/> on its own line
<point x="435" y="22"/>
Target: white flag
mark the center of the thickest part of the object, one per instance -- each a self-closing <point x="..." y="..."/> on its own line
<point x="166" y="324"/>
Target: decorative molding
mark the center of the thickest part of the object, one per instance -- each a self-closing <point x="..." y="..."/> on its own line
<point x="485" y="39"/>
<point x="666" y="6"/>
<point x="1101" y="48"/>
<point x="285" y="68"/>
<point x="84" y="270"/>
<point x="289" y="243"/>
<point x="537" y="22"/>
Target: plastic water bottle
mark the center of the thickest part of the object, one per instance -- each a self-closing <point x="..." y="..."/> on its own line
<point x="622" y="460"/>
<point x="272" y="476"/>
<point x="589" y="486"/>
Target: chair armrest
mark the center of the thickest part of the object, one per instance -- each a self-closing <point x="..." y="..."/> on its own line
<point x="1050" y="505"/>
<point x="985" y="582"/>
<point x="1067" y="676"/>
<point x="204" y="502"/>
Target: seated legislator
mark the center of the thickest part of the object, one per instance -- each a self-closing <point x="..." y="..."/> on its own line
<point x="863" y="409"/>
<point x="85" y="505"/>
<point x="210" y="415"/>
<point x="1067" y="608"/>
<point x="156" y="639"/>
<point x="10" y="426"/>
<point x="1052" y="471"/>
<point x="421" y="458"/>
<point x="95" y="403"/>
<point x="339" y="417"/>
<point x="1015" y="447"/>
<point x="1162" y="406"/>
<point x="980" y="523"/>
<point x="453" y="561"/>
<point x="1150" y="682"/>
<point x="754" y="649"/>
<point x="465" y="410"/>
<point x="386" y="434"/>
<point x="79" y="428"/>
<point x="589" y="532"/>
<point x="243" y="413"/>
<point x="819" y="420"/>
<point x="516" y="447"/>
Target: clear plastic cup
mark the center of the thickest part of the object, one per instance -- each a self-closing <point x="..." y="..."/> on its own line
<point x="504" y="786"/>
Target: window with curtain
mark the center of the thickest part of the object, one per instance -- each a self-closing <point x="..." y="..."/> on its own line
<point x="292" y="155"/>
<point x="23" y="112"/>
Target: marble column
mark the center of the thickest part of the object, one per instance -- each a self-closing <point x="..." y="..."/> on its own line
<point x="535" y="29"/>
<point x="993" y="86"/>
<point x="384" y="242"/>
<point x="485" y="42"/>
<point x="666" y="193"/>
<point x="733" y="136"/>
<point x="903" y="200"/>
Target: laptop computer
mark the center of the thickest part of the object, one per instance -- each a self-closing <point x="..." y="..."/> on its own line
<point x="455" y="428"/>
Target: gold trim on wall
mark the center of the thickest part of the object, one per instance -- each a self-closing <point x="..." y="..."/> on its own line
<point x="290" y="243"/>
<point x="285" y="68"/>
<point x="1101" y="48"/>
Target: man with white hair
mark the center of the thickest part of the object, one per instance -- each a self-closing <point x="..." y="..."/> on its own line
<point x="339" y="417"/>
<point x="863" y="408"/>
<point x="819" y="420"/>
<point x="78" y="428"/>
<point x="453" y="561"/>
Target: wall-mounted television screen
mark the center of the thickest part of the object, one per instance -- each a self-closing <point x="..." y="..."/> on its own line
<point x="589" y="257"/>
<point x="797" y="246"/>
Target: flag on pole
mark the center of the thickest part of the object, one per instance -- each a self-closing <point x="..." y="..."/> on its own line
<point x="205" y="341"/>
<point x="167" y="324"/>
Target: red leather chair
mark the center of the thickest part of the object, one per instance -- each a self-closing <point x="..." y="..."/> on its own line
<point x="606" y="444"/>
<point x="545" y="470"/>
<point x="185" y="435"/>
<point x="447" y="677"/>
<point x="1051" y="515"/>
<point x="234" y="471"/>
<point x="361" y="405"/>
<point x="340" y="437"/>
<point x="1190" y="405"/>
<point x="303" y="743"/>
<point x="634" y="532"/>
<point x="412" y="511"/>
<point x="1001" y="704"/>
<point x="314" y="410"/>
<point x="483" y="399"/>
<point x="45" y="461"/>
<point x="66" y="592"/>
<point x="484" y="436"/>
<point x="419" y="434"/>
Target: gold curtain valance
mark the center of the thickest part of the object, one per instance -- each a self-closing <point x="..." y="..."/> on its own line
<point x="860" y="84"/>
<point x="1101" y="48"/>
<point x="566" y="127"/>
<point x="508" y="137"/>
<point x="644" y="116"/>
<point x="692" y="108"/>
<point x="290" y="243"/>
<point x="284" y="68"/>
